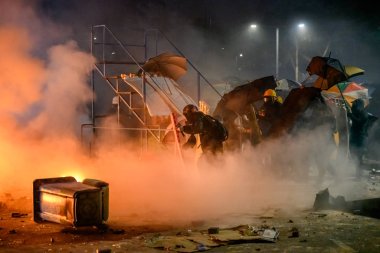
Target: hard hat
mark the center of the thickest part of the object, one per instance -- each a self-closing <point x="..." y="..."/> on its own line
<point x="188" y="109"/>
<point x="269" y="93"/>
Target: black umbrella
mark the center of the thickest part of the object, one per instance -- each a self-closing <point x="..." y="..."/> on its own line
<point x="329" y="70"/>
<point x="167" y="65"/>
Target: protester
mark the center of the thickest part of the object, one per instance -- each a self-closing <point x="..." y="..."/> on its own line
<point x="212" y="133"/>
<point x="358" y="133"/>
<point x="269" y="111"/>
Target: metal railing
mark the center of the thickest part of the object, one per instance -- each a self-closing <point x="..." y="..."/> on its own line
<point x="133" y="55"/>
<point x="161" y="133"/>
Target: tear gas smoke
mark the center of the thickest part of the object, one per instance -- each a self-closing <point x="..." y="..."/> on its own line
<point x="145" y="187"/>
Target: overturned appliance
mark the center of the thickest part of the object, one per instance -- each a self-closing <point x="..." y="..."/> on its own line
<point x="66" y="201"/>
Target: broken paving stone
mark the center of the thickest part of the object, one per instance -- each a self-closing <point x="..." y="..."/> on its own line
<point x="266" y="217"/>
<point x="103" y="250"/>
<point x="249" y="231"/>
<point x="184" y="233"/>
<point x="213" y="230"/>
<point x="202" y="247"/>
<point x="270" y="234"/>
<point x="117" y="231"/>
<point x="318" y="214"/>
<point x="294" y="233"/>
<point x="19" y="215"/>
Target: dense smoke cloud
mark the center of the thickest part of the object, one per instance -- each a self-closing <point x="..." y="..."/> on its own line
<point x="66" y="91"/>
<point x="34" y="91"/>
<point x="22" y="75"/>
<point x="46" y="86"/>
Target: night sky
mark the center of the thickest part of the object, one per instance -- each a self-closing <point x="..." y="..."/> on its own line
<point x="350" y="30"/>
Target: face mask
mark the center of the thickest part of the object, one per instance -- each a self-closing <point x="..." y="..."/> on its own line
<point x="267" y="99"/>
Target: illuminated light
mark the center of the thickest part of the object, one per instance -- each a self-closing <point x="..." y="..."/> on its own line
<point x="253" y="26"/>
<point x="113" y="53"/>
<point x="241" y="55"/>
<point x="204" y="107"/>
<point x="302" y="25"/>
<point x="94" y="38"/>
<point x="78" y="176"/>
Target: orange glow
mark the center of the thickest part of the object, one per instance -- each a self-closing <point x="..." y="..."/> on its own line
<point x="77" y="175"/>
<point x="45" y="142"/>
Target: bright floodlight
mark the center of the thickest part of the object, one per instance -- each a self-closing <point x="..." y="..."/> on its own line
<point x="241" y="55"/>
<point x="302" y="25"/>
<point x="253" y="26"/>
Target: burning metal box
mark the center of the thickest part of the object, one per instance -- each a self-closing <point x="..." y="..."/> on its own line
<point x="66" y="201"/>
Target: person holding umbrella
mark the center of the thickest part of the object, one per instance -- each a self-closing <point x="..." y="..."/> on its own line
<point x="358" y="133"/>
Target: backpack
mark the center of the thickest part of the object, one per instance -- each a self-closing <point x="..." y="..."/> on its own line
<point x="219" y="131"/>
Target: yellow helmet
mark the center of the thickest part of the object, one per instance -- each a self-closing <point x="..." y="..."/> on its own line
<point x="270" y="93"/>
<point x="279" y="99"/>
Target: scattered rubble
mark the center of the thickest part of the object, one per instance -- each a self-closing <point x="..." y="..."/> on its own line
<point x="367" y="207"/>
<point x="194" y="241"/>
<point x="19" y="215"/>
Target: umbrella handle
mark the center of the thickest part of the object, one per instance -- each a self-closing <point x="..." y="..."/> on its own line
<point x="348" y="108"/>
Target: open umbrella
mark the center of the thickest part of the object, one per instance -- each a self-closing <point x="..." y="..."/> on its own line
<point x="167" y="65"/>
<point x="352" y="71"/>
<point x="237" y="99"/>
<point x="350" y="91"/>
<point x="329" y="70"/>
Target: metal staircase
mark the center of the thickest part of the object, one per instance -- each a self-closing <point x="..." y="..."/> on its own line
<point x="117" y="59"/>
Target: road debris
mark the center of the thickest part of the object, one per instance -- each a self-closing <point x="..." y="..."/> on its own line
<point x="294" y="233"/>
<point x="367" y="207"/>
<point x="195" y="241"/>
<point x="19" y="215"/>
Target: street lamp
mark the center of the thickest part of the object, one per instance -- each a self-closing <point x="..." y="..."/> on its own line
<point x="240" y="55"/>
<point x="254" y="26"/>
<point x="301" y="27"/>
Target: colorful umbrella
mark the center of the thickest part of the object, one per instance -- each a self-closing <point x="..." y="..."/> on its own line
<point x="349" y="90"/>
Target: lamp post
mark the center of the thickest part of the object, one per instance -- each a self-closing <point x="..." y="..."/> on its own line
<point x="277" y="49"/>
<point x="300" y="27"/>
<point x="254" y="26"/>
<point x="237" y="59"/>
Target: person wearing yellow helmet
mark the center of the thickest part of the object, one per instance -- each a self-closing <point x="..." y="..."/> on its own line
<point x="269" y="111"/>
<point x="269" y="94"/>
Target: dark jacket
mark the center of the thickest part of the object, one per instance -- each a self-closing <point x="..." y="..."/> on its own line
<point x="359" y="128"/>
<point x="199" y="123"/>
<point x="269" y="113"/>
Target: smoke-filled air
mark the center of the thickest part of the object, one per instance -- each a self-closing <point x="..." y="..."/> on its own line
<point x="45" y="94"/>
